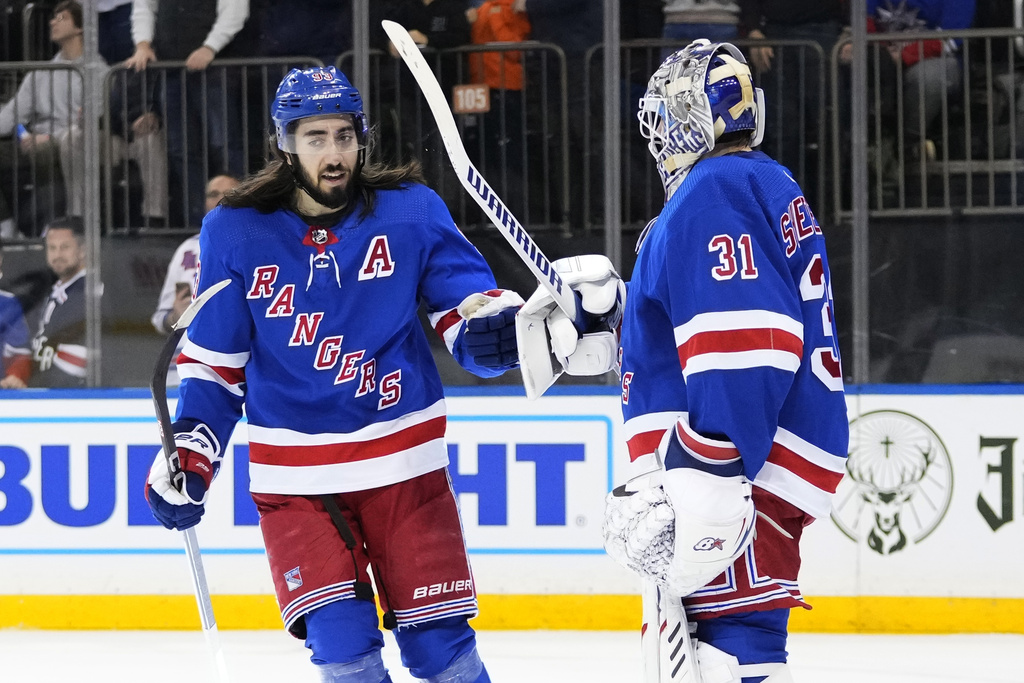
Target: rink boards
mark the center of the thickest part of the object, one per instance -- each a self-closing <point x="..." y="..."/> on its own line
<point x="925" y="533"/>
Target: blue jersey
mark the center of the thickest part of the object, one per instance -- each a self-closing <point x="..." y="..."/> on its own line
<point x="728" y="332"/>
<point x="318" y="336"/>
<point x="14" y="341"/>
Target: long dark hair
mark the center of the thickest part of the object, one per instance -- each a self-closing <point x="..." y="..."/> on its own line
<point x="273" y="187"/>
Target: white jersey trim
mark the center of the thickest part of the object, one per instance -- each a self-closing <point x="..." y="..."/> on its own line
<point x="349" y="476"/>
<point x="214" y="358"/>
<point x="740" y="360"/>
<point x="277" y="436"/>
<point x="720" y="321"/>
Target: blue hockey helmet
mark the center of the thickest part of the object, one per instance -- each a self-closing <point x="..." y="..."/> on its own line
<point x="319" y="91"/>
<point x="698" y="95"/>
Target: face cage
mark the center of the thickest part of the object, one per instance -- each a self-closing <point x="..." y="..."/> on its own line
<point x="652" y="117"/>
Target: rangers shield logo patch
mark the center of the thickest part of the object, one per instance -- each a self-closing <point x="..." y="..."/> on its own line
<point x="293" y="578"/>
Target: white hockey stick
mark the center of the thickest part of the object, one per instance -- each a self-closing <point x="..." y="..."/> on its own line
<point x="475" y="184"/>
<point x="158" y="389"/>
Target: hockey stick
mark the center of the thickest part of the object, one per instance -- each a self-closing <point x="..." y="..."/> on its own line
<point x="158" y="389"/>
<point x="474" y="183"/>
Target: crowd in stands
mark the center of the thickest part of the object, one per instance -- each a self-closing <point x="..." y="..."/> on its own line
<point x="180" y="128"/>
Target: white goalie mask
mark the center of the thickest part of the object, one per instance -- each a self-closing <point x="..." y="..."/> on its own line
<point x="696" y="96"/>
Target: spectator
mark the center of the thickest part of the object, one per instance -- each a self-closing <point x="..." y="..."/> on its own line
<point x="179" y="284"/>
<point x="575" y="26"/>
<point x="687" y="20"/>
<point x="59" y="351"/>
<point x="499" y="21"/>
<point x="41" y="113"/>
<point x="193" y="31"/>
<point x="114" y="30"/>
<point x="789" y="76"/>
<point x="931" y="69"/>
<point x="52" y="102"/>
<point x="320" y="28"/>
<point x="15" y="358"/>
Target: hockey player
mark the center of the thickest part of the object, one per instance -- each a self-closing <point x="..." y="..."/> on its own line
<point x="329" y="255"/>
<point x="731" y="381"/>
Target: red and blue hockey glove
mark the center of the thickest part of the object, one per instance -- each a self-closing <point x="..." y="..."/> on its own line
<point x="197" y="462"/>
<point x="489" y="337"/>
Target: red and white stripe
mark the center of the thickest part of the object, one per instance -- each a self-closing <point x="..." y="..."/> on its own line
<point x="438" y="610"/>
<point x="225" y="369"/>
<point x="733" y="340"/>
<point x="801" y="473"/>
<point x="712" y="451"/>
<point x="447" y="324"/>
<point x="285" y="461"/>
<point x="318" y="598"/>
<point x="70" y="358"/>
<point x="644" y="432"/>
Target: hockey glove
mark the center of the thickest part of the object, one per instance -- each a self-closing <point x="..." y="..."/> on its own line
<point x="544" y="330"/>
<point x="196" y="463"/>
<point x="490" y="334"/>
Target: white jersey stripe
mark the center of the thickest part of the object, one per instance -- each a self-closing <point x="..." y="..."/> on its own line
<point x="783" y="360"/>
<point x="719" y="321"/>
<point x="794" y="489"/>
<point x="651" y="422"/>
<point x="810" y="452"/>
<point x="349" y="476"/>
<point x="205" y="372"/>
<point x="214" y="358"/>
<point x="288" y="437"/>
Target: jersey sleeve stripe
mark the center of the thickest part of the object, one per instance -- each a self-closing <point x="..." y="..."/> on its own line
<point x="214" y="358"/>
<point x="228" y="374"/>
<point x="644" y="432"/>
<point x="810" y="452"/>
<point x="205" y="372"/>
<point x="792" y="488"/>
<point x="724" y="321"/>
<point x="329" y="454"/>
<point x="447" y="325"/>
<point x="822" y="478"/>
<point x="703" y="448"/>
<point x="734" y="341"/>
<point x="643" y="443"/>
<point x="782" y="360"/>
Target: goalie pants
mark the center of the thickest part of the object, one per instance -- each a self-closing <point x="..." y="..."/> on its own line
<point x="411" y="535"/>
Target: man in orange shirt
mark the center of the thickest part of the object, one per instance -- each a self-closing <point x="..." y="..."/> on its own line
<point x="502" y="127"/>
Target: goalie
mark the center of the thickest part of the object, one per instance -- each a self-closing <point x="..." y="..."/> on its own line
<point x="732" y="392"/>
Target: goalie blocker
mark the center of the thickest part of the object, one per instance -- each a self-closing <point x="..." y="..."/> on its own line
<point x="548" y="341"/>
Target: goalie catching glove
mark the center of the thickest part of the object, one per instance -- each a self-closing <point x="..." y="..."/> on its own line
<point x="686" y="531"/>
<point x="549" y="344"/>
<point x="178" y="502"/>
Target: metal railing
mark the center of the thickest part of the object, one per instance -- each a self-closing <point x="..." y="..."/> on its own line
<point x="931" y="153"/>
<point x="517" y="138"/>
<point x="167" y="131"/>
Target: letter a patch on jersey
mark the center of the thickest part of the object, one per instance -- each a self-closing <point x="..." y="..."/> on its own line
<point x="378" y="261"/>
<point x="293" y="578"/>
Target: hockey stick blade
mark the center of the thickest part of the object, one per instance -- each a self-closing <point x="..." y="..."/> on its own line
<point x="475" y="184"/>
<point x="158" y="390"/>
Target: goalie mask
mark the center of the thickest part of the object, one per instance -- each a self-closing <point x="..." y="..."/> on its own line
<point x="698" y="95"/>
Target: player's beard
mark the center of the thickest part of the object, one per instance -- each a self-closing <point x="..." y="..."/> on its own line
<point x="336" y="198"/>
